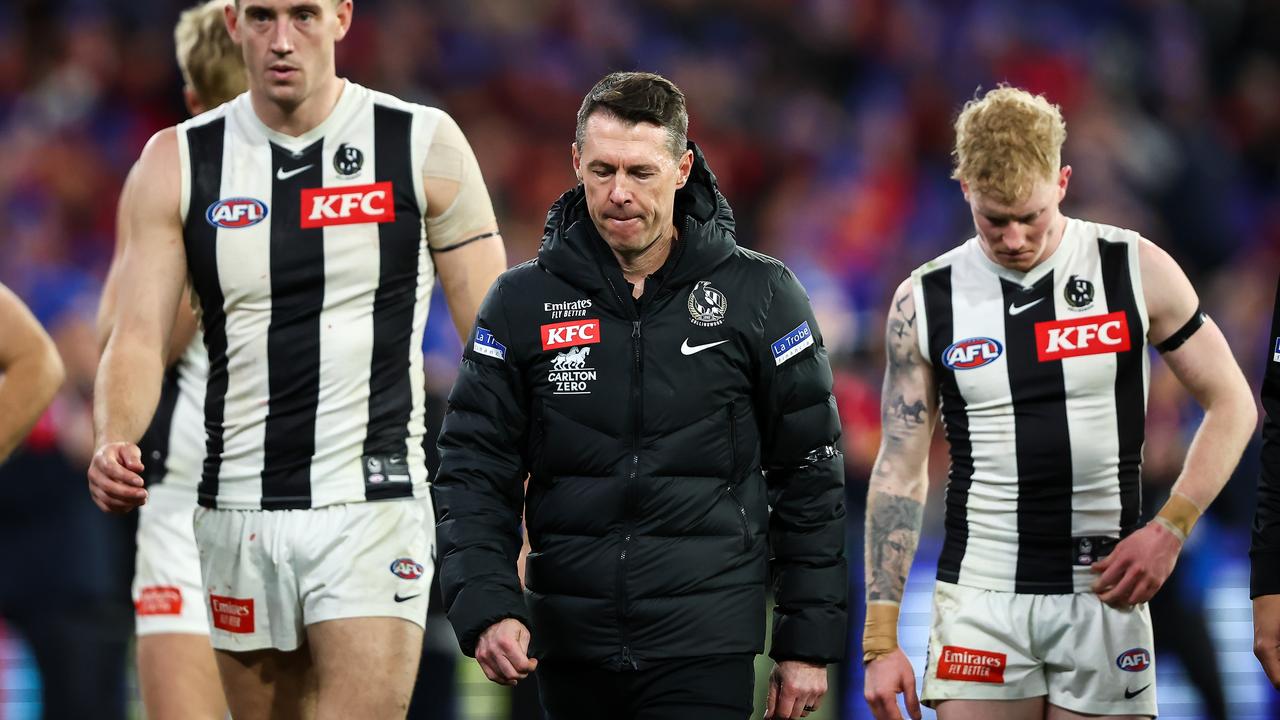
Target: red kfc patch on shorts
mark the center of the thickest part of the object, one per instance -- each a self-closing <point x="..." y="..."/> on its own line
<point x="234" y="615"/>
<point x="159" y="600"/>
<point x="969" y="665"/>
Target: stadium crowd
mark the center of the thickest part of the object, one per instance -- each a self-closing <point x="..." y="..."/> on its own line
<point x="828" y="123"/>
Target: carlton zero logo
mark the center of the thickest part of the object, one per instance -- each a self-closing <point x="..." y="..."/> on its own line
<point x="971" y="353"/>
<point x="348" y="205"/>
<point x="237" y="212"/>
<point x="568" y="334"/>
<point x="968" y="665"/>
<point x="234" y="615"/>
<point x="1093" y="335"/>
<point x="159" y="600"/>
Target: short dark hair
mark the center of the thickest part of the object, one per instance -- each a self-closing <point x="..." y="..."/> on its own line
<point x="636" y="97"/>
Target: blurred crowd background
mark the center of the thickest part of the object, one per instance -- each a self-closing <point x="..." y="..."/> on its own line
<point x="828" y="123"/>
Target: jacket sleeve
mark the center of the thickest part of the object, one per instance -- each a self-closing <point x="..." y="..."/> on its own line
<point x="479" y="490"/>
<point x="1264" y="553"/>
<point x="804" y="471"/>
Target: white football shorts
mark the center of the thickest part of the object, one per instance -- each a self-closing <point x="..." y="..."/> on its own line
<point x="168" y="596"/>
<point x="270" y="573"/>
<point x="1084" y="655"/>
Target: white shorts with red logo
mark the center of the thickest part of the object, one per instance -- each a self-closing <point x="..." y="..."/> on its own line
<point x="270" y="573"/>
<point x="168" y="596"/>
<point x="1084" y="655"/>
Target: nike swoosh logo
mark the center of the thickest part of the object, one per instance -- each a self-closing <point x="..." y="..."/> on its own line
<point x="410" y="597"/>
<point x="687" y="349"/>
<point x="282" y="175"/>
<point x="1019" y="309"/>
<point x="1129" y="695"/>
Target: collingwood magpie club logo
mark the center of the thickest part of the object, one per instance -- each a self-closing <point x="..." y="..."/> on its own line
<point x="1078" y="293"/>
<point x="348" y="160"/>
<point x="707" y="305"/>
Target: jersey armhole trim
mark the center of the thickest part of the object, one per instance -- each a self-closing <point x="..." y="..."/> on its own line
<point x="922" y="323"/>
<point x="184" y="175"/>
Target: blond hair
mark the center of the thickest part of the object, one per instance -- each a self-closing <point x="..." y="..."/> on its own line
<point x="209" y="59"/>
<point x="1007" y="142"/>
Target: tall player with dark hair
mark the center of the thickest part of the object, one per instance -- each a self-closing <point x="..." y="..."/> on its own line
<point x="312" y="216"/>
<point x="30" y="371"/>
<point x="1031" y="340"/>
<point x="176" y="668"/>
<point x="1264" y="554"/>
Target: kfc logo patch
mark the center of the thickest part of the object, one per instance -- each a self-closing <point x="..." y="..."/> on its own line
<point x="348" y="205"/>
<point x="568" y="334"/>
<point x="234" y="615"/>
<point x="159" y="600"/>
<point x="957" y="663"/>
<point x="1093" y="335"/>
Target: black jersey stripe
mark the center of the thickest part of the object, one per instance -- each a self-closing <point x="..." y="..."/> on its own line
<point x="205" y="147"/>
<point x="955" y="419"/>
<point x="1131" y="404"/>
<point x="293" y="335"/>
<point x="155" y="442"/>
<point x="399" y="246"/>
<point x="1042" y="445"/>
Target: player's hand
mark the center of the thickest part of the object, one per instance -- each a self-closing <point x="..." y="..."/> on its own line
<point x="1136" y="569"/>
<point x="1266" y="635"/>
<point x="114" y="482"/>
<point x="886" y="677"/>
<point x="795" y="689"/>
<point x="503" y="652"/>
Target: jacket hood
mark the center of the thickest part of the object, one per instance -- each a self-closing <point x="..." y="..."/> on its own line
<point x="573" y="250"/>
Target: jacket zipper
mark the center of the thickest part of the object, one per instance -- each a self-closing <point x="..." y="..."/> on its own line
<point x="742" y="515"/>
<point x="628" y="492"/>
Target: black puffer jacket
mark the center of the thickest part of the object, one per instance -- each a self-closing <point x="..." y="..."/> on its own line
<point x="682" y="451"/>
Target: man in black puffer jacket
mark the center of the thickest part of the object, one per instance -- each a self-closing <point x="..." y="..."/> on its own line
<point x="668" y="395"/>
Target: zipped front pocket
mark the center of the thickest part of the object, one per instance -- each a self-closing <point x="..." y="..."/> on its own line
<point x="742" y="515"/>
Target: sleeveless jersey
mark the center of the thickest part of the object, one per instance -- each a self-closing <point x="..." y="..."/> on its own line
<point x="309" y="258"/>
<point x="1043" y="382"/>
<point x="173" y="446"/>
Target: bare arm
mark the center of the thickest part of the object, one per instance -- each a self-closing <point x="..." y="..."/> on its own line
<point x="466" y="274"/>
<point x="30" y="371"/>
<point x="899" y="479"/>
<point x="895" y="506"/>
<point x="461" y="228"/>
<point x="1206" y="367"/>
<point x="184" y="324"/>
<point x="1140" y="563"/>
<point x="129" y="376"/>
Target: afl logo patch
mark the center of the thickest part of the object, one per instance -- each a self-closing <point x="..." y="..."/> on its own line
<point x="971" y="353"/>
<point x="407" y="569"/>
<point x="236" y="212"/>
<point x="1135" y="660"/>
<point x="707" y="305"/>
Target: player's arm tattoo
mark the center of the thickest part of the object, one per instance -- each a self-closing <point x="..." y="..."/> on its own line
<point x="895" y="504"/>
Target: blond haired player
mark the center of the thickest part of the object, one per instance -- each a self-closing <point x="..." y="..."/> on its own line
<point x="176" y="668"/>
<point x="1031" y="340"/>
<point x="312" y="216"/>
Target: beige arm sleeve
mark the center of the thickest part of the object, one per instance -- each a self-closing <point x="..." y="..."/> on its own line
<point x="458" y="206"/>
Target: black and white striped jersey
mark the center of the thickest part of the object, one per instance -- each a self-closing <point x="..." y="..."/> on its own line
<point x="1043" y="383"/>
<point x="173" y="447"/>
<point x="310" y="260"/>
